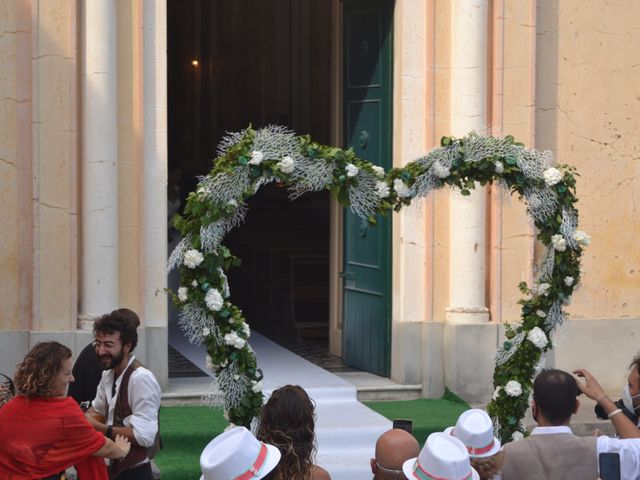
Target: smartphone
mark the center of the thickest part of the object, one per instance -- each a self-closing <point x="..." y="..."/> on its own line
<point x="609" y="464"/>
<point x="406" y="425"/>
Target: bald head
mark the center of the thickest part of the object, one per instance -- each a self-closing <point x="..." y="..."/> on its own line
<point x="393" y="448"/>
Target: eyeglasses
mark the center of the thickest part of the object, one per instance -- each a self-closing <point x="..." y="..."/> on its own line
<point x="390" y="470"/>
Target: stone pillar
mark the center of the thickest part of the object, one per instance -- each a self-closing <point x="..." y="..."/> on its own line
<point x="468" y="113"/>
<point x="155" y="185"/>
<point x="99" y="264"/>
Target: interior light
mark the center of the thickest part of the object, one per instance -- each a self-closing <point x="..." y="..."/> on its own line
<point x="195" y="63"/>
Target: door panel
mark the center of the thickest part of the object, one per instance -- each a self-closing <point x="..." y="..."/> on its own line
<point x="367" y="249"/>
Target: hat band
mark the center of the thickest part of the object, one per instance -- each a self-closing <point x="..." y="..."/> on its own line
<point x="477" y="451"/>
<point x="422" y="474"/>
<point x="255" y="468"/>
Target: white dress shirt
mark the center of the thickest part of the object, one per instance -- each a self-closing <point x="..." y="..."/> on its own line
<point x="144" y="399"/>
<point x="628" y="449"/>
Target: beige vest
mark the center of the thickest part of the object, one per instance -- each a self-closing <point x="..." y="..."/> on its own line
<point x="552" y="456"/>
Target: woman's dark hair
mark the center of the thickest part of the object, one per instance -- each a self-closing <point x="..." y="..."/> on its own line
<point x="122" y="321"/>
<point x="287" y="421"/>
<point x="35" y="376"/>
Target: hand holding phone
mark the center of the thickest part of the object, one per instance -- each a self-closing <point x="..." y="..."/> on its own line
<point x="609" y="465"/>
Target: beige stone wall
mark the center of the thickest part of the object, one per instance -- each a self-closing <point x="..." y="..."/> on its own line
<point x="588" y="112"/>
<point x="39" y="167"/>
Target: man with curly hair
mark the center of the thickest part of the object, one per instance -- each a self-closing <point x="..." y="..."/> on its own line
<point x="128" y="396"/>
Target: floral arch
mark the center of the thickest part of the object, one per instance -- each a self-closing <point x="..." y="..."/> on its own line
<point x="251" y="158"/>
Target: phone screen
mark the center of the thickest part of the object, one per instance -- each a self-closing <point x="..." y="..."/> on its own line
<point x="609" y="464"/>
<point x="406" y="425"/>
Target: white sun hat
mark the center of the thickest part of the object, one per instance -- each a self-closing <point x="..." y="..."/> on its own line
<point x="443" y="457"/>
<point x="474" y="428"/>
<point x="237" y="455"/>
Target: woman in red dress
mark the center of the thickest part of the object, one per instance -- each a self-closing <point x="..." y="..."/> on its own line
<point x="42" y="431"/>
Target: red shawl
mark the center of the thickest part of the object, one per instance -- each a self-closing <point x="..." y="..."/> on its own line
<point x="40" y="437"/>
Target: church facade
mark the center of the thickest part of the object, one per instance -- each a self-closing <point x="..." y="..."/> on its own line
<point x="101" y="100"/>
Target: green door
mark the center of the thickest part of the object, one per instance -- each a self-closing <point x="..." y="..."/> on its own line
<point x="367" y="249"/>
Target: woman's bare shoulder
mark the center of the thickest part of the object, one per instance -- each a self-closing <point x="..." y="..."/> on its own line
<point x="320" y="473"/>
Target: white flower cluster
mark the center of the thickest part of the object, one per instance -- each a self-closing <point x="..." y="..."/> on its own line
<point x="513" y="388"/>
<point x="582" y="238"/>
<point x="499" y="167"/>
<point x="245" y="329"/>
<point x="537" y="336"/>
<point x="234" y="340"/>
<point x="541" y="289"/>
<point x="210" y="364"/>
<point x="541" y="313"/>
<point x="401" y="188"/>
<point x="552" y="176"/>
<point x="496" y="393"/>
<point x="382" y="189"/>
<point x="352" y="170"/>
<point x="192" y="258"/>
<point x="287" y="164"/>
<point x="517" y="435"/>
<point x="558" y="242"/>
<point x="182" y="294"/>
<point x="256" y="386"/>
<point x="378" y="171"/>
<point x="440" y="170"/>
<point x="568" y="281"/>
<point x="214" y="300"/>
<point x="256" y="158"/>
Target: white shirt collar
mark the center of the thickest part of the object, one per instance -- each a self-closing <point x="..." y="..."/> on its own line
<point x="551" y="430"/>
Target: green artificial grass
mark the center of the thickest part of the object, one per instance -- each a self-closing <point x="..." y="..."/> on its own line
<point x="187" y="430"/>
<point x="428" y="415"/>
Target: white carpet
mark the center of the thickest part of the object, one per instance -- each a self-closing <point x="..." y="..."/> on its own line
<point x="346" y="429"/>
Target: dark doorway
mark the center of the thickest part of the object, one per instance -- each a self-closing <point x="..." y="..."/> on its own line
<point x="259" y="62"/>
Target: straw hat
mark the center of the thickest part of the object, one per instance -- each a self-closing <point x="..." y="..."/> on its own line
<point x="474" y="428"/>
<point x="237" y="455"/>
<point x="443" y="457"/>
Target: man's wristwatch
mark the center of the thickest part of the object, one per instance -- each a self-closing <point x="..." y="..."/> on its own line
<point x="109" y="432"/>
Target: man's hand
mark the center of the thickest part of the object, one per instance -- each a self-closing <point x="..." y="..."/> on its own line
<point x="590" y="387"/>
<point x="123" y="444"/>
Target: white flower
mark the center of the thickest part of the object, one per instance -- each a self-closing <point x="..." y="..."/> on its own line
<point x="552" y="176"/>
<point x="287" y="164"/>
<point x="233" y="202"/>
<point x="542" y="289"/>
<point x="496" y="393"/>
<point x="499" y="167"/>
<point x="257" y="386"/>
<point x="224" y="363"/>
<point x="182" y="294"/>
<point x="214" y="300"/>
<point x="225" y="283"/>
<point x="352" y="170"/>
<point x="234" y="340"/>
<point x="537" y="336"/>
<point x="192" y="258"/>
<point x="517" y="435"/>
<point x="256" y="158"/>
<point x="378" y="171"/>
<point x="541" y="313"/>
<point x="582" y="238"/>
<point x="206" y="332"/>
<point x="401" y="188"/>
<point x="513" y="388"/>
<point x="209" y="361"/>
<point x="382" y="189"/>
<point x="558" y="242"/>
<point x="440" y="170"/>
<point x="194" y="283"/>
<point x="245" y="329"/>
<point x="568" y="281"/>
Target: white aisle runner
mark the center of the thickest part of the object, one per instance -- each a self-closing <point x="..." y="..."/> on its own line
<point x="346" y="429"/>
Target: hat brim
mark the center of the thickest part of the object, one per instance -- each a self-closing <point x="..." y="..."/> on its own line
<point x="273" y="457"/>
<point x="407" y="469"/>
<point x="496" y="445"/>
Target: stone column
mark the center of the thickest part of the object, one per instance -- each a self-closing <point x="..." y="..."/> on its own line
<point x="155" y="185"/>
<point x="99" y="264"/>
<point x="468" y="113"/>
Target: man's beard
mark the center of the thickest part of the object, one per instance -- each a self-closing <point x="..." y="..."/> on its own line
<point x="113" y="361"/>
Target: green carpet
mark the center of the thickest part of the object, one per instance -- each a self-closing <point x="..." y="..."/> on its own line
<point x="186" y="430"/>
